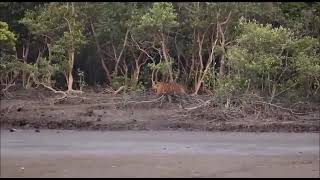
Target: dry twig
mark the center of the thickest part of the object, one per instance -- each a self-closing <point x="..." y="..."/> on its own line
<point x="283" y="108"/>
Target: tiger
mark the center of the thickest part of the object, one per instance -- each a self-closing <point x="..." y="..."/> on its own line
<point x="169" y="89"/>
<point x="163" y="88"/>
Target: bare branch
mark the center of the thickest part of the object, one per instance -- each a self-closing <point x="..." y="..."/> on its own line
<point x="120" y="89"/>
<point x="141" y="49"/>
<point x="201" y="105"/>
<point x="283" y="108"/>
<point x="5" y="90"/>
<point x="124" y="44"/>
<point x="227" y="18"/>
<point x="55" y="91"/>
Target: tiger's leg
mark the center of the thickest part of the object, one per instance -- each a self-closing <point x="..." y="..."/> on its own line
<point x="169" y="98"/>
<point x="161" y="102"/>
<point x="181" y="102"/>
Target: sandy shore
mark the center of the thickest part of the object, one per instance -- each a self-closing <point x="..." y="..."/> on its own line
<point x="158" y="154"/>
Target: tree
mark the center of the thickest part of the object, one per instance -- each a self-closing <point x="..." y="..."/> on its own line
<point x="110" y="32"/>
<point x="61" y="26"/>
<point x="7" y="58"/>
<point x="274" y="59"/>
<point x="158" y="22"/>
<point x="208" y="22"/>
<point x="201" y="44"/>
<point x="11" y="13"/>
<point x="10" y="66"/>
<point x="7" y="38"/>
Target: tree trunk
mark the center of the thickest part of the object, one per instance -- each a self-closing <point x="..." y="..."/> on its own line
<point x="120" y="55"/>
<point x="49" y="51"/>
<point x="222" y="44"/>
<point x="136" y="71"/>
<point x="198" y="76"/>
<point x="135" y="75"/>
<point x="197" y="87"/>
<point x="66" y="76"/>
<point x="222" y="62"/>
<point x="166" y="58"/>
<point x="105" y="68"/>
<point x="71" y="55"/>
<point x="204" y="72"/>
<point x="152" y="77"/>
<point x="70" y="77"/>
<point x="25" y="52"/>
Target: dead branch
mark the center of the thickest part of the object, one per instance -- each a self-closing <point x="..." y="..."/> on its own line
<point x="201" y="105"/>
<point x="128" y="102"/>
<point x="141" y="49"/>
<point x="71" y="92"/>
<point x="226" y="19"/>
<point x="55" y="91"/>
<point x="5" y="90"/>
<point x="120" y="89"/>
<point x="108" y="90"/>
<point x="138" y="102"/>
<point x="283" y="108"/>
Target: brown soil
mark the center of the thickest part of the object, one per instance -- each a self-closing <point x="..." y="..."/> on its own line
<point x="161" y="166"/>
<point x="98" y="111"/>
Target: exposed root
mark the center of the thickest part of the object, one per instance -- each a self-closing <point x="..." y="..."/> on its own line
<point x="65" y="95"/>
<point x="4" y="91"/>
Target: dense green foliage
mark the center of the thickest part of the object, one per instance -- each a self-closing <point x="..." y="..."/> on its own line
<point x="274" y="60"/>
<point x="229" y="48"/>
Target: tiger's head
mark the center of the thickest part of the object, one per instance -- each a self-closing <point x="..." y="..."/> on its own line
<point x="155" y="87"/>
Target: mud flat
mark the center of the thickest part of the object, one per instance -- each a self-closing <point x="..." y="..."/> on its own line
<point x="59" y="153"/>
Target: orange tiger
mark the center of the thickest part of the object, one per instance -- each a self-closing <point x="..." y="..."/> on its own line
<point x="169" y="88"/>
